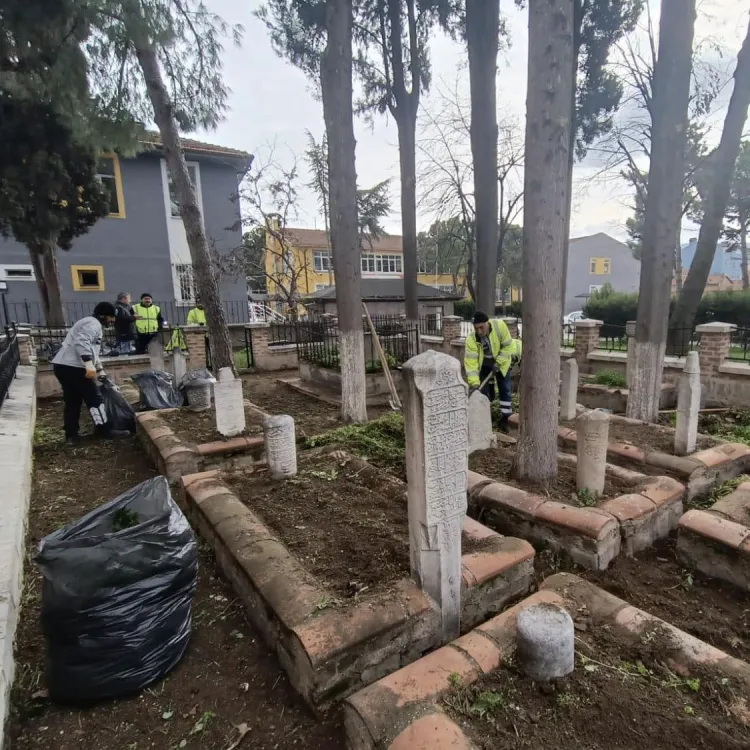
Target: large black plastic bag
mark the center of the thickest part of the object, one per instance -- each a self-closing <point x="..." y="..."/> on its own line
<point x="116" y="605"/>
<point x="119" y="412"/>
<point x="156" y="390"/>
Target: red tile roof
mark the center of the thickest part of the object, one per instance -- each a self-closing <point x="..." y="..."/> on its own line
<point x="318" y="238"/>
<point x="188" y="144"/>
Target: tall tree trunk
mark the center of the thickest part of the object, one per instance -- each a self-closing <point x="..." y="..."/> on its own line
<point x="407" y="134"/>
<point x="663" y="208"/>
<point x="548" y="122"/>
<point x="482" y="29"/>
<point x="722" y="167"/>
<point x="336" y="86"/>
<point x="44" y="260"/>
<point x="203" y="269"/>
<point x="743" y="250"/>
<point x="678" y="267"/>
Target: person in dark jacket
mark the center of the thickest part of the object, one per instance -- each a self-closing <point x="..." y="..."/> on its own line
<point x="124" y="324"/>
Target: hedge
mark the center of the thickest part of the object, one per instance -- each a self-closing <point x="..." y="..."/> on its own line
<point x="465" y="308"/>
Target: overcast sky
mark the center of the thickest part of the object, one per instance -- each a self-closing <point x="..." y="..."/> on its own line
<point x="272" y="102"/>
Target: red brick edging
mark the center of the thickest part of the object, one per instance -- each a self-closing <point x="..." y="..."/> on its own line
<point x="402" y="711"/>
<point x="592" y="537"/>
<point x="330" y="652"/>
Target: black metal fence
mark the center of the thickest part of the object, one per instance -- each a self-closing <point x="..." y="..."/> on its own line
<point x="10" y="356"/>
<point x="739" y="344"/>
<point x="32" y="313"/>
<point x="681" y="341"/>
<point x="613" y="339"/>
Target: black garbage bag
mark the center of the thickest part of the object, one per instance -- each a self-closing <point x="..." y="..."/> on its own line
<point x="119" y="412"/>
<point x="156" y="390"/>
<point x="116" y="603"/>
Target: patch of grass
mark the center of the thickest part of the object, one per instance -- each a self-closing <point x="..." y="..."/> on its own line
<point x="610" y="378"/>
<point x="243" y="359"/>
<point x="587" y="498"/>
<point x="487" y="702"/>
<point x="719" y="492"/>
<point x="381" y="440"/>
<point x="454" y="680"/>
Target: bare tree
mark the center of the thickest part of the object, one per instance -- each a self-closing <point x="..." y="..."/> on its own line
<point x="671" y="87"/>
<point x="549" y="116"/>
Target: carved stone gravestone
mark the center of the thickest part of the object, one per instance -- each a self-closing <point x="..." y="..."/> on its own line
<point x="281" y="446"/>
<point x="593" y="435"/>
<point x="179" y="365"/>
<point x="156" y="354"/>
<point x="568" y="389"/>
<point x="481" y="436"/>
<point x="229" y="404"/>
<point x="436" y="417"/>
<point x="688" y="406"/>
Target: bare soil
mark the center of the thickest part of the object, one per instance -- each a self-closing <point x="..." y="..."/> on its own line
<point x="499" y="463"/>
<point x="197" y="427"/>
<point x="344" y="523"/>
<point x="621" y="695"/>
<point x="227" y="677"/>
<point x="646" y="437"/>
<point x="311" y="415"/>
<point x="655" y="582"/>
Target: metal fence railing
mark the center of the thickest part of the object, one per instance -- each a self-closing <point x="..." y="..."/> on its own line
<point x="681" y="341"/>
<point x="739" y="344"/>
<point x="613" y="339"/>
<point x="10" y="357"/>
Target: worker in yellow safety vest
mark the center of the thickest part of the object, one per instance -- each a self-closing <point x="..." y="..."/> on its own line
<point x="197" y="316"/>
<point x="148" y="322"/>
<point x="491" y="351"/>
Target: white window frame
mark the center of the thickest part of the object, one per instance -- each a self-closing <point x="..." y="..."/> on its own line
<point x="322" y="261"/>
<point x="382" y="264"/>
<point x="321" y="287"/>
<point x="177" y="270"/>
<point x="5" y="267"/>
<point x="165" y="188"/>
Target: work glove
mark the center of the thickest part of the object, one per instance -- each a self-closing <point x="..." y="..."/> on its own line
<point x="495" y="367"/>
<point x="90" y="370"/>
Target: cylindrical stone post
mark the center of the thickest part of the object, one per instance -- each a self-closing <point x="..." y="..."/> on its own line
<point x="688" y="406"/>
<point x="281" y="446"/>
<point x="568" y="389"/>
<point x="593" y="435"/>
<point x="545" y="643"/>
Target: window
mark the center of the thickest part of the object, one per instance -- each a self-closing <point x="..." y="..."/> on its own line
<point x="600" y="266"/>
<point x="320" y="287"/>
<point x="381" y="264"/>
<point x="174" y="204"/>
<point x="88" y="278"/>
<point x="446" y="288"/>
<point x="185" y="283"/>
<point x="108" y="172"/>
<point x="422" y="266"/>
<point x="16" y="273"/>
<point x="322" y="261"/>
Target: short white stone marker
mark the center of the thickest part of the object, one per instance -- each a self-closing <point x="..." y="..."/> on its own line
<point x="568" y="389"/>
<point x="481" y="436"/>
<point x="281" y="446"/>
<point x="229" y="404"/>
<point x="688" y="406"/>
<point x="179" y="365"/>
<point x="156" y="354"/>
<point x="545" y="642"/>
<point x="436" y="417"/>
<point x="593" y="435"/>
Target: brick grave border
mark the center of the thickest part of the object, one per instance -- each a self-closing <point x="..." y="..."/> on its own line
<point x="701" y="471"/>
<point x="174" y="457"/>
<point x="591" y="536"/>
<point x="716" y="541"/>
<point x="402" y="710"/>
<point x="331" y="652"/>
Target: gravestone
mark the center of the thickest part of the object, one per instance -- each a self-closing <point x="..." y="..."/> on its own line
<point x="156" y="354"/>
<point x="281" y="446"/>
<point x="688" y="406"/>
<point x="568" y="389"/>
<point x="229" y="404"/>
<point x="436" y="421"/>
<point x="545" y="642"/>
<point x="179" y="365"/>
<point x="593" y="435"/>
<point x="481" y="436"/>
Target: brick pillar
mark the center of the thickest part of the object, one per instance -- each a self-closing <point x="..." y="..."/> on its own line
<point x="451" y="331"/>
<point x="512" y="324"/>
<point x="714" y="346"/>
<point x="261" y="335"/>
<point x="195" y="338"/>
<point x="587" y="339"/>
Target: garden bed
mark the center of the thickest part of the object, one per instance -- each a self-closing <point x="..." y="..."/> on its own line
<point x="321" y="563"/>
<point x="638" y="682"/>
<point x="227" y="677"/>
<point x="198" y="427"/>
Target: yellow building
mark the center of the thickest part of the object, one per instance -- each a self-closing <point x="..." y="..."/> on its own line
<point x="298" y="263"/>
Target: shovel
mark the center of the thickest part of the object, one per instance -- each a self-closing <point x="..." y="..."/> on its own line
<point x="394" y="402"/>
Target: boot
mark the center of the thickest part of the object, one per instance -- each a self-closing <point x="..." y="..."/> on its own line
<point x="73" y="440"/>
<point x="503" y="425"/>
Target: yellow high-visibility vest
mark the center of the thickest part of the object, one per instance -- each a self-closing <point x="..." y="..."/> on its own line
<point x="149" y="322"/>
<point x="196" y="317"/>
<point x="502" y="347"/>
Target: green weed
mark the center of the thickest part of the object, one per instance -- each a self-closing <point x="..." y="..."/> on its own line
<point x="487" y="702"/>
<point x="610" y="378"/>
<point x="587" y="498"/>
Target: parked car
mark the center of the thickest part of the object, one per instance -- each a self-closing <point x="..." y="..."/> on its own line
<point x="572" y="317"/>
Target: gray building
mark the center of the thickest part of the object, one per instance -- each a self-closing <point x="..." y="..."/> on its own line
<point x="596" y="260"/>
<point x="141" y="246"/>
